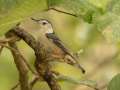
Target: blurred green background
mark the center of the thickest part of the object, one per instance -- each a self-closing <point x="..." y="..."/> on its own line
<point x="98" y="55"/>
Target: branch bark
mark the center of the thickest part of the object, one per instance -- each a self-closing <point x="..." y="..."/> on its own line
<point x="36" y="46"/>
<point x="20" y="64"/>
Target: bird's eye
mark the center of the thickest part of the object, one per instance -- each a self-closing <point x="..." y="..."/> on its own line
<point x="44" y="23"/>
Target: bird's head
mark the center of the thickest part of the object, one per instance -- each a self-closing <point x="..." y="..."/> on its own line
<point x="45" y="26"/>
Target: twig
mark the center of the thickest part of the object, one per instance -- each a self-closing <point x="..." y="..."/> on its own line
<point x="6" y="40"/>
<point x="13" y="88"/>
<point x="52" y="82"/>
<point x="8" y="47"/>
<point x="25" y="36"/>
<point x="14" y="50"/>
<point x="36" y="46"/>
<point x="35" y="79"/>
<point x="51" y="8"/>
<point x="2" y="41"/>
<point x="20" y="64"/>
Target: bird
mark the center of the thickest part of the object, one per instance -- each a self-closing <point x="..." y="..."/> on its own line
<point x="52" y="44"/>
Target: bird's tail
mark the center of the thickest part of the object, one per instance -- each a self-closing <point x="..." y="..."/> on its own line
<point x="79" y="66"/>
<point x="73" y="61"/>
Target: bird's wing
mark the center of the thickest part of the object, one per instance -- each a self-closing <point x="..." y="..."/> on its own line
<point x="58" y="42"/>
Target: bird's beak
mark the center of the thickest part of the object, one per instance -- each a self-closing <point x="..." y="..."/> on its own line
<point x="34" y="19"/>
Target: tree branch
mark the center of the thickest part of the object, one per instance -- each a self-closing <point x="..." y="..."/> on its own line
<point x="36" y="46"/>
<point x="52" y="82"/>
<point x="20" y="64"/>
<point x="25" y="36"/>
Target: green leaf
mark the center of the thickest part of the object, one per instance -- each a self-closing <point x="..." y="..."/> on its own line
<point x="67" y="70"/>
<point x="100" y="3"/>
<point x="114" y="7"/>
<point x="109" y="23"/>
<point x="114" y="83"/>
<point x="14" y="11"/>
<point x="80" y="8"/>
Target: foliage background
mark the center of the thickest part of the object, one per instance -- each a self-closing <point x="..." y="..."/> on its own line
<point x="94" y="33"/>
